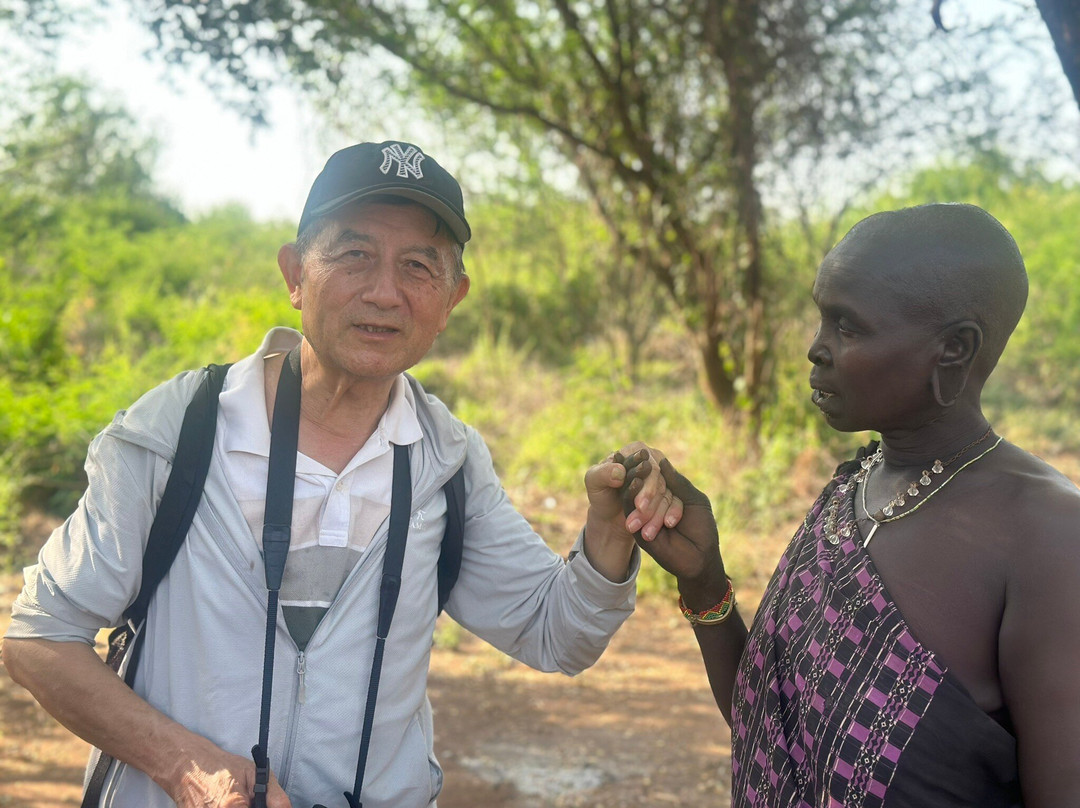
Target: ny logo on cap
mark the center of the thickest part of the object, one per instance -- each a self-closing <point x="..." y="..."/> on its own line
<point x="408" y="160"/>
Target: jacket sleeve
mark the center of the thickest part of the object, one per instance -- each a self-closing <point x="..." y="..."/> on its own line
<point x="517" y="594"/>
<point x="90" y="569"/>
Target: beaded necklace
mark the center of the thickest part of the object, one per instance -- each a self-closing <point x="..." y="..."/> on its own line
<point x="913" y="490"/>
<point x="886" y="514"/>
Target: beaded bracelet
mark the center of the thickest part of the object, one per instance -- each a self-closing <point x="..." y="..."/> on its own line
<point x="713" y="616"/>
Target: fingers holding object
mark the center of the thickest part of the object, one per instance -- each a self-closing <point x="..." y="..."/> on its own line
<point x="647" y="501"/>
<point x="608" y="473"/>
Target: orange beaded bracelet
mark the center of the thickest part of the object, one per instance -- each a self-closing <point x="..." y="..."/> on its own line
<point x="713" y="616"/>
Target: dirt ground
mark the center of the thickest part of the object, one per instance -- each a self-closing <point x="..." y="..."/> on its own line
<point x="638" y="729"/>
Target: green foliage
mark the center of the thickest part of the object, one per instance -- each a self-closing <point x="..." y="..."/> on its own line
<point x="64" y="150"/>
<point x="73" y="350"/>
<point x="448" y="634"/>
<point x="535" y="279"/>
<point x="10" y="504"/>
<point x="107" y="289"/>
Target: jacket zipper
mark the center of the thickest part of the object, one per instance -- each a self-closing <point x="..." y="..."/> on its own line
<point x="301" y="669"/>
<point x="294" y="719"/>
<point x="301" y="660"/>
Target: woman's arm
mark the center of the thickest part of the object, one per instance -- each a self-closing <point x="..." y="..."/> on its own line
<point x="691" y="552"/>
<point x="1039" y="653"/>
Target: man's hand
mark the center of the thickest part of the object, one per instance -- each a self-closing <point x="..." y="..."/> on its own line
<point x="654" y="505"/>
<point x="75" y="686"/>
<point x="609" y="539"/>
<point x="217" y="779"/>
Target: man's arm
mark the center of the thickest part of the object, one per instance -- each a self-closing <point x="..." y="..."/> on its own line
<point x="515" y="592"/>
<point x="691" y="552"/>
<point x="87" y="573"/>
<point x="77" y="688"/>
<point x="1039" y="653"/>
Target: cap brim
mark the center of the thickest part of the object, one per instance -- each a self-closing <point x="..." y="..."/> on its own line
<point x="435" y="204"/>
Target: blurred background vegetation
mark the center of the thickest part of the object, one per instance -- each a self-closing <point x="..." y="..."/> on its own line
<point x="660" y="183"/>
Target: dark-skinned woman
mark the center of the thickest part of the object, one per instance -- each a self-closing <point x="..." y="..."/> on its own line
<point x="919" y="642"/>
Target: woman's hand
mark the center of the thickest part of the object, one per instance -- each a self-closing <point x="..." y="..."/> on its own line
<point x="688" y="547"/>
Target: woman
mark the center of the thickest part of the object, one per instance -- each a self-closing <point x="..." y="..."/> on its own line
<point x="919" y="642"/>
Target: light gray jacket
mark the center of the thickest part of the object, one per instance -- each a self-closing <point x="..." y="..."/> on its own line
<point x="202" y="659"/>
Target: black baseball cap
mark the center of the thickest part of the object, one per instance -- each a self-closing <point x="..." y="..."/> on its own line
<point x="392" y="167"/>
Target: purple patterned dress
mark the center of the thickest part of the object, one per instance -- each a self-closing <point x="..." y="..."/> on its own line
<point x="837" y="704"/>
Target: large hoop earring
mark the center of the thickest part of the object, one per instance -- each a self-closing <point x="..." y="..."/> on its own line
<point x="935" y="385"/>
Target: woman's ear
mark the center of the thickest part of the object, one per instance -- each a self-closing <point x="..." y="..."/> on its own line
<point x="961" y="344"/>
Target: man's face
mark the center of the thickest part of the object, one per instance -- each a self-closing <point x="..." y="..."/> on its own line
<point x="375" y="288"/>
<point x="873" y="355"/>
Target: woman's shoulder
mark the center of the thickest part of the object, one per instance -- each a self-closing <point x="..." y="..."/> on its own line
<point x="1033" y="506"/>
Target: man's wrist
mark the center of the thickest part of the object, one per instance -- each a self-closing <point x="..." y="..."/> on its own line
<point x="607" y="529"/>
<point x="608" y="550"/>
<point x="181" y="767"/>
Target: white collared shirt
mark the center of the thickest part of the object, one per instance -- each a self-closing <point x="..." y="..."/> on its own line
<point x="335" y="516"/>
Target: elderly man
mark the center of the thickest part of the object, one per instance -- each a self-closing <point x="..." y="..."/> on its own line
<point x="375" y="271"/>
<point x="918" y="643"/>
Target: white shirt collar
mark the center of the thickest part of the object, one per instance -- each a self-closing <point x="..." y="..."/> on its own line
<point x="245" y="394"/>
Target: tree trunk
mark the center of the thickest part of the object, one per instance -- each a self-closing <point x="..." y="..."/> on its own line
<point x="1062" y="18"/>
<point x="718" y="382"/>
<point x="742" y="60"/>
<point x="749" y="215"/>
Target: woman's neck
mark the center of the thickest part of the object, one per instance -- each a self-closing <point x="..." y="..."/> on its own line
<point x="934" y="441"/>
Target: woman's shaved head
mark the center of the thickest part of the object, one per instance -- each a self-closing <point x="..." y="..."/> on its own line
<point x="944" y="263"/>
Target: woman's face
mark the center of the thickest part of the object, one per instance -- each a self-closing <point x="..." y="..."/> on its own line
<point x="873" y="353"/>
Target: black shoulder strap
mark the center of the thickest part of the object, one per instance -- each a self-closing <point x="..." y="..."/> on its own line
<point x="449" y="564"/>
<point x="183" y="491"/>
<point x="277" y="532"/>
<point x="181" y="497"/>
<point x="454" y="537"/>
<point x="390" y="586"/>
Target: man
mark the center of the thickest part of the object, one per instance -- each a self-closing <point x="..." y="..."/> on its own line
<point x="375" y="272"/>
<point x="919" y="641"/>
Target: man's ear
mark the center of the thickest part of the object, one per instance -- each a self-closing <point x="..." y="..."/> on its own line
<point x="292" y="271"/>
<point x="460" y="292"/>
<point x="960" y="347"/>
<point x="456" y="296"/>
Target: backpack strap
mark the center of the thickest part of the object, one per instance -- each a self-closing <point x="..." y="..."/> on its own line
<point x="183" y="492"/>
<point x="389" y="588"/>
<point x="454" y="537"/>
